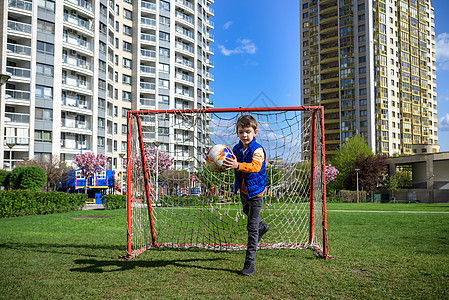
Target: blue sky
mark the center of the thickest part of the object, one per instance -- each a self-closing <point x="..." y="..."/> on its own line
<point x="257" y="56"/>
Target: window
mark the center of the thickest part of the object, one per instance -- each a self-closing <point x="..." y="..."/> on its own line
<point x="117" y="43"/>
<point x="102" y="65"/>
<point x="128" y="47"/>
<point x="44" y="92"/>
<point x="163" y="36"/>
<point x="127" y="14"/>
<point x="101" y="123"/>
<point x="361" y="6"/>
<point x="126" y="96"/>
<point x="362" y="91"/>
<point x="305" y="15"/>
<point x="42" y="136"/>
<point x="362" y="49"/>
<point x="361" y="17"/>
<point x="124" y="129"/>
<point x="164" y="68"/>
<point x="362" y="102"/>
<point x="45" y="48"/>
<point x="123" y="147"/>
<point x="101" y="84"/>
<point x="115" y="145"/>
<point x="363" y="113"/>
<point x="164" y="52"/>
<point x="164" y="21"/>
<point x="126" y="79"/>
<point x="164" y="99"/>
<point x="45" y="70"/>
<point x="127" y="63"/>
<point x="362" y="59"/>
<point x="101" y="103"/>
<point x="127" y="30"/>
<point x="164" y="83"/>
<point x="45" y="26"/>
<point x="363" y="123"/>
<point x="362" y="70"/>
<point x="362" y="80"/>
<point x="362" y="27"/>
<point x="362" y="38"/>
<point x="45" y="114"/>
<point x="102" y="47"/>
<point x="164" y="5"/>
<point x="100" y="141"/>
<point x="48" y="5"/>
<point x="124" y="112"/>
<point x="115" y="126"/>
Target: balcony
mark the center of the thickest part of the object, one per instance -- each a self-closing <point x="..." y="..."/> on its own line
<point x="75" y="103"/>
<point x="17" y="118"/>
<point x="75" y="41"/>
<point x="183" y="92"/>
<point x="184" y="17"/>
<point x="19" y="4"/>
<point x="17" y="140"/>
<point x="184" y="77"/>
<point x="76" y="124"/>
<point x="148" y="70"/>
<point x="147" y="102"/>
<point x="210" y="76"/>
<point x="76" y="62"/>
<point x="148" y="86"/>
<point x="18" y="49"/>
<point x="183" y="62"/>
<point x="17" y="96"/>
<point x="148" y="21"/>
<point x="76" y="82"/>
<point x="186" y="4"/>
<point x="19" y="27"/>
<point x="82" y="4"/>
<point x="144" y="37"/>
<point x="19" y="72"/>
<point x="184" y="32"/>
<point x="184" y="47"/>
<point x="148" y="53"/>
<point x="74" y="20"/>
<point x="148" y="5"/>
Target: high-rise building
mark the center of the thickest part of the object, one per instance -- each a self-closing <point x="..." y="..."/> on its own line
<point x="78" y="66"/>
<point x="371" y="64"/>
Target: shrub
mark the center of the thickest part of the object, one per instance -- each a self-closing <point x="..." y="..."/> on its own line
<point x="14" y="203"/>
<point x="114" y="201"/>
<point x="33" y="178"/>
<point x="16" y="177"/>
<point x="5" y="178"/>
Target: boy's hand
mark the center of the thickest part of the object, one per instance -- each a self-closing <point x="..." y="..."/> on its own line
<point x="231" y="163"/>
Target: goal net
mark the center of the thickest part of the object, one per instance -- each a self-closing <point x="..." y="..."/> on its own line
<point x="175" y="200"/>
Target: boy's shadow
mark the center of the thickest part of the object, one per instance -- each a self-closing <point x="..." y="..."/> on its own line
<point x="99" y="266"/>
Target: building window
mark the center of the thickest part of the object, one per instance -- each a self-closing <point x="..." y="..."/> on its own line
<point x="362" y="102"/>
<point x="45" y="48"/>
<point x="361" y="6"/>
<point x="163" y="36"/>
<point x="164" y="20"/>
<point x="363" y="113"/>
<point x="164" y="83"/>
<point x="100" y="141"/>
<point x="164" y="68"/>
<point x="362" y="27"/>
<point x="44" y="70"/>
<point x="361" y="17"/>
<point x="126" y="79"/>
<point x="127" y="30"/>
<point x="128" y="47"/>
<point x="127" y="14"/>
<point x="127" y="63"/>
<point x="362" y="91"/>
<point x="45" y="26"/>
<point x="362" y="59"/>
<point x="126" y="96"/>
<point x="362" y="70"/>
<point x="164" y="5"/>
<point x="44" y="92"/>
<point x="164" y="52"/>
<point x="362" y="38"/>
<point x="48" y="5"/>
<point x="45" y="114"/>
<point x="362" y="80"/>
<point x="42" y="136"/>
<point x="362" y="49"/>
<point x="363" y="123"/>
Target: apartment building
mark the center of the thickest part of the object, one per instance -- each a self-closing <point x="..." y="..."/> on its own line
<point x="371" y="64"/>
<point x="78" y="66"/>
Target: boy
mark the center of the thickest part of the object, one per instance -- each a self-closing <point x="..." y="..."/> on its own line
<point x="248" y="163"/>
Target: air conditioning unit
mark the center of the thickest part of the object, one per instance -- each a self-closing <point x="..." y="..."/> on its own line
<point x="72" y="52"/>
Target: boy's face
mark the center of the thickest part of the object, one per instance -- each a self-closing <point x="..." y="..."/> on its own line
<point x="246" y="135"/>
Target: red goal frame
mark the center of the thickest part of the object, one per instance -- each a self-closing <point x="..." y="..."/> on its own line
<point x="317" y="112"/>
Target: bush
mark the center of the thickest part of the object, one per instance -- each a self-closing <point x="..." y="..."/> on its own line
<point x="5" y="177"/>
<point x="33" y="178"/>
<point x="16" y="177"/>
<point x="114" y="201"/>
<point x="14" y="203"/>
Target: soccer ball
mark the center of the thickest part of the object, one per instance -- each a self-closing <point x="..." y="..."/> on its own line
<point x="215" y="157"/>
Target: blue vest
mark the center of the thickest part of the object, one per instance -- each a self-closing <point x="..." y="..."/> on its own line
<point x="255" y="183"/>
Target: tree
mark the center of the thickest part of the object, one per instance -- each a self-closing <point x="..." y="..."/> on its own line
<point x="164" y="160"/>
<point x="346" y="158"/>
<point x="370" y="173"/>
<point x="53" y="167"/>
<point x="89" y="163"/>
<point x="392" y="183"/>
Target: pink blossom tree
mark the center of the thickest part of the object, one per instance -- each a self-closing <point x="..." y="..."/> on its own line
<point x="331" y="173"/>
<point x="89" y="163"/>
<point x="164" y="160"/>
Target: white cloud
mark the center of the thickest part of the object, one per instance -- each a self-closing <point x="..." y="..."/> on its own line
<point x="246" y="46"/>
<point x="227" y="25"/>
<point x="442" y="50"/>
<point x="443" y="123"/>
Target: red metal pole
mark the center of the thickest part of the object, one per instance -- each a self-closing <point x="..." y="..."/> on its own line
<point x="146" y="181"/>
<point x="323" y="182"/>
<point x="312" y="175"/>
<point x="128" y="189"/>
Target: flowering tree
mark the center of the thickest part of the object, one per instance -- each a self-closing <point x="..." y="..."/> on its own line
<point x="89" y="163"/>
<point x="164" y="160"/>
<point x="331" y="173"/>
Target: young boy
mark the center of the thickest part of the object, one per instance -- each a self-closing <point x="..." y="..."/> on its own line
<point x="251" y="179"/>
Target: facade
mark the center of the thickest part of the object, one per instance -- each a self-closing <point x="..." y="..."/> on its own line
<point x="371" y="64"/>
<point x="78" y="66"/>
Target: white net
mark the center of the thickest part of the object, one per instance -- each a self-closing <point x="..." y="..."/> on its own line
<point x="192" y="206"/>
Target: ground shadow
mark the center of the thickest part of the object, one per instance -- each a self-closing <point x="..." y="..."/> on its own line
<point x="100" y="266"/>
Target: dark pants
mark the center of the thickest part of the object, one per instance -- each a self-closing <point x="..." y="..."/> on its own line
<point x="251" y="208"/>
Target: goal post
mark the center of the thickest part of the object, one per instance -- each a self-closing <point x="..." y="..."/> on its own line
<point x="174" y="200"/>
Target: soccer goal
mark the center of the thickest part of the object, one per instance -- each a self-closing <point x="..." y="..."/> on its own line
<point x="174" y="200"/>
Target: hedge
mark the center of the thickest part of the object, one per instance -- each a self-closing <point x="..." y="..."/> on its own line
<point x="114" y="201"/>
<point x="15" y="203"/>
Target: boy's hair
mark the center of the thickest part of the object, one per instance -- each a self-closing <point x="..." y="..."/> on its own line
<point x="245" y="121"/>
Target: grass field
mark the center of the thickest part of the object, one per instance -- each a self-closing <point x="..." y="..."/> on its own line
<point x="377" y="255"/>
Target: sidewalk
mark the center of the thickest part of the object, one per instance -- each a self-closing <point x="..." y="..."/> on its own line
<point x="93" y="206"/>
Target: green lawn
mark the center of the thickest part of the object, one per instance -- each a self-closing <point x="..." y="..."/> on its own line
<point x="376" y="255"/>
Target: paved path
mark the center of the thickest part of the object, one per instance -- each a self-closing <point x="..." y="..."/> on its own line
<point x="392" y="211"/>
<point x="93" y="206"/>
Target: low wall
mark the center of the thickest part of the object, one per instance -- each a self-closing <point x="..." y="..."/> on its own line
<point x="421" y="195"/>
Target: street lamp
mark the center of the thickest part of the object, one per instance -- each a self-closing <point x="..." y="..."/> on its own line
<point x="357" y="171"/>
<point x="122" y="155"/>
<point x="10" y="145"/>
<point x="157" y="144"/>
<point x="4" y="78"/>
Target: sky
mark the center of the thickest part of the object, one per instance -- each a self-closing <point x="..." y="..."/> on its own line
<point x="257" y="56"/>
